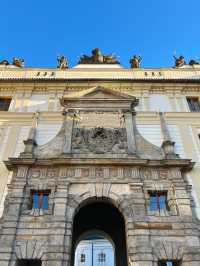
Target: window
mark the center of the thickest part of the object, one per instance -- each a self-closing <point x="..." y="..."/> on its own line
<point x="29" y="262"/>
<point x="40" y="199"/>
<point x="158" y="201"/>
<point x="102" y="257"/>
<point x="194" y="104"/>
<point x="4" y="104"/>
<point x="169" y="263"/>
<point x="82" y="259"/>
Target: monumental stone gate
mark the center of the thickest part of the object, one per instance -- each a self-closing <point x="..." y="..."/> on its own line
<point x="99" y="174"/>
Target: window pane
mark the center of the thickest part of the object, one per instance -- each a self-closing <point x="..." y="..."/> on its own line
<point x="153" y="203"/>
<point x="45" y="204"/>
<point x="4" y="104"/>
<point x="162" y="202"/>
<point x="194" y="104"/>
<point x="35" y="201"/>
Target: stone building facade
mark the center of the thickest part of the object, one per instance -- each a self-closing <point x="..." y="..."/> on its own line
<point x="98" y="172"/>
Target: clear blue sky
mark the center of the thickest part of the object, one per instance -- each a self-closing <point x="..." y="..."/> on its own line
<point x="39" y="30"/>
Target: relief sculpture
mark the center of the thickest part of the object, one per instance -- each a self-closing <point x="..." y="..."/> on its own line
<point x="99" y="140"/>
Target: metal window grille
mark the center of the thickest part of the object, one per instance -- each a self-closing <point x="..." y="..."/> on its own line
<point x="102" y="257"/>
<point x="82" y="258"/>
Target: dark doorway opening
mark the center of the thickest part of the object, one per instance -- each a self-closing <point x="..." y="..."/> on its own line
<point x="101" y="215"/>
<point x="27" y="262"/>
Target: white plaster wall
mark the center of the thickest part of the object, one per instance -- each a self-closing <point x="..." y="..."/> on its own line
<point x="47" y="131"/>
<point x="3" y="140"/>
<point x="3" y="188"/>
<point x="153" y="134"/>
<point x="195" y="147"/>
<point x="176" y="137"/>
<point x="159" y="103"/>
<point x="23" y="135"/>
<point x="38" y="103"/>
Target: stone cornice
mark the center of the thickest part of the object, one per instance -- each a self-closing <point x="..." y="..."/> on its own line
<point x="188" y="74"/>
<point x="184" y="164"/>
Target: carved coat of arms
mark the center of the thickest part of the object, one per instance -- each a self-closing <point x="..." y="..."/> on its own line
<point x="99" y="140"/>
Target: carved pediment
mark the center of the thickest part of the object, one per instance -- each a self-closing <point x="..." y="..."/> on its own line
<point x="99" y="97"/>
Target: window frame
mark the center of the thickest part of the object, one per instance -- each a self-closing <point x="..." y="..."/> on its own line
<point x="41" y="194"/>
<point x="164" y="262"/>
<point x="28" y="262"/>
<point x="195" y="105"/>
<point x="7" y="102"/>
<point x="158" y="195"/>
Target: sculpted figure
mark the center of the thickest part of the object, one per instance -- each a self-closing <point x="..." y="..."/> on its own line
<point x="98" y="58"/>
<point x="62" y="62"/>
<point x="193" y="62"/>
<point x="85" y="59"/>
<point x="110" y="59"/>
<point x="135" y="61"/>
<point x="4" y="63"/>
<point x="99" y="132"/>
<point x="179" y="62"/>
<point x="18" y="62"/>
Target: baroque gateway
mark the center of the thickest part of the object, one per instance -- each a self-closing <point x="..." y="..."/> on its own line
<point x="97" y="192"/>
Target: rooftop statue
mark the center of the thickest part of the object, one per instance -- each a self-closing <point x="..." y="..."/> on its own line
<point x="4" y="63"/>
<point x="193" y="62"/>
<point x="98" y="58"/>
<point x="135" y="61"/>
<point x="62" y="62"/>
<point x="18" y="62"/>
<point x="179" y="62"/>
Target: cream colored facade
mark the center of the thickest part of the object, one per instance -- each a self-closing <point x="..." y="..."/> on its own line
<point x="40" y="90"/>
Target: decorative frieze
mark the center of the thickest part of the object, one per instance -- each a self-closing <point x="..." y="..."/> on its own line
<point x="142" y="174"/>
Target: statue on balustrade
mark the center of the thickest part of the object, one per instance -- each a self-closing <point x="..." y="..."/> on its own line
<point x="193" y="62"/>
<point x="179" y="61"/>
<point x="98" y="58"/>
<point x="4" y="63"/>
<point x="135" y="61"/>
<point x="62" y="62"/>
<point x="18" y="62"/>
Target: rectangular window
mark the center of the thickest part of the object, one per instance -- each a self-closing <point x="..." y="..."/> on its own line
<point x="40" y="199"/>
<point x="29" y="262"/>
<point x="194" y="104"/>
<point x="5" y="104"/>
<point x="169" y="263"/>
<point x="158" y="201"/>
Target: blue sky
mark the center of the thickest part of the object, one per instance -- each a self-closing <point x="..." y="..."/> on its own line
<point x="40" y="30"/>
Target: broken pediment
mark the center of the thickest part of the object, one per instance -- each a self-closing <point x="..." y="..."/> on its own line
<point x="99" y="97"/>
<point x="94" y="129"/>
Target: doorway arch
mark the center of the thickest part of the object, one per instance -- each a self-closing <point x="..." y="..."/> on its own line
<point x="100" y="215"/>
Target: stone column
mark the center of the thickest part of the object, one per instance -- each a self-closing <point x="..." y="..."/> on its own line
<point x="60" y="242"/>
<point x="11" y="216"/>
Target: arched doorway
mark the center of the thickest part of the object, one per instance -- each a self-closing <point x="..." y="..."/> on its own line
<point x="100" y="216"/>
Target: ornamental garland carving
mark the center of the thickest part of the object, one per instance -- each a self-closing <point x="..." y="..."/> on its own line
<point x="99" y="140"/>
